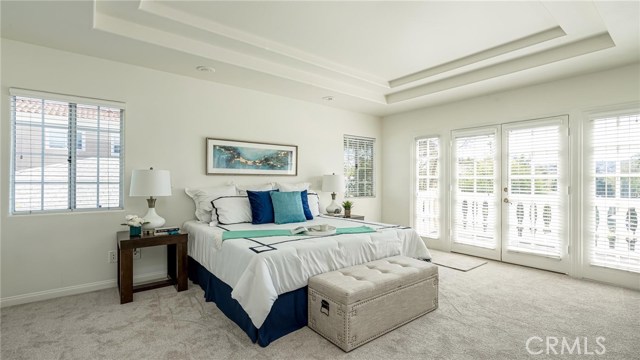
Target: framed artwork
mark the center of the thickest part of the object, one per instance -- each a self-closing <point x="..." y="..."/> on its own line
<point x="233" y="157"/>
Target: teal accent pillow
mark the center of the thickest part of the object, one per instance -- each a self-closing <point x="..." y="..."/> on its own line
<point x="287" y="207"/>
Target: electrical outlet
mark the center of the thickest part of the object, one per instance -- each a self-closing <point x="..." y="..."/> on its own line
<point x="111" y="256"/>
<point x="137" y="254"/>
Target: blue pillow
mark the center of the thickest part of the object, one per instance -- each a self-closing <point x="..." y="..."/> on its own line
<point x="287" y="207"/>
<point x="261" y="207"/>
<point x="305" y="205"/>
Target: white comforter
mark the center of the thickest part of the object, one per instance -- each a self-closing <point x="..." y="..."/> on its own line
<point x="257" y="278"/>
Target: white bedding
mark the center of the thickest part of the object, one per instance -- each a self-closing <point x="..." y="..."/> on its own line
<point x="257" y="278"/>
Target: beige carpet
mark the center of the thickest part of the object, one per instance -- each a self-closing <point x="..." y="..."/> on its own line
<point x="456" y="261"/>
<point x="487" y="313"/>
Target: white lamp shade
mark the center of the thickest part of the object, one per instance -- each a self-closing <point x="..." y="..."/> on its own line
<point x="150" y="183"/>
<point x="333" y="183"/>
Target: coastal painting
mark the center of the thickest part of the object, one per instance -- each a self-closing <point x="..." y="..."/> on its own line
<point x="232" y="157"/>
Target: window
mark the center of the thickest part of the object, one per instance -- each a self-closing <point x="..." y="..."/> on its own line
<point x="115" y="144"/>
<point x="80" y="141"/>
<point x="56" y="138"/>
<point x="614" y="191"/>
<point x="49" y="175"/>
<point x="358" y="166"/>
<point x="427" y="201"/>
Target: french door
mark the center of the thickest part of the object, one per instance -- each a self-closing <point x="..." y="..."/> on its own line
<point x="510" y="193"/>
<point x="475" y="192"/>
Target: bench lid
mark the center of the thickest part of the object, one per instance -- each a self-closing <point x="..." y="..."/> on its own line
<point x="361" y="282"/>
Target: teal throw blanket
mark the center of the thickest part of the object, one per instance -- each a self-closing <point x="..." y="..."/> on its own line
<point x="241" y="234"/>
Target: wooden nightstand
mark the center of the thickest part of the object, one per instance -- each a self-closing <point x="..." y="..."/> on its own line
<point x="353" y="216"/>
<point x="176" y="262"/>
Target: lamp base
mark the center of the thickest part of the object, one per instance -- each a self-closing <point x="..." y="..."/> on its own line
<point x="153" y="220"/>
<point x="334" y="208"/>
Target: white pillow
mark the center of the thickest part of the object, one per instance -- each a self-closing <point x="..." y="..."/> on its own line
<point x="233" y="209"/>
<point x="242" y="189"/>
<point x="293" y="187"/>
<point x="202" y="198"/>
<point x="314" y="203"/>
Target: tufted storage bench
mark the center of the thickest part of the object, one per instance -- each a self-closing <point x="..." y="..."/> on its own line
<point x="354" y="305"/>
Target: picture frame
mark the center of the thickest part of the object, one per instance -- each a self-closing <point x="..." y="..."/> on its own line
<point x="237" y="157"/>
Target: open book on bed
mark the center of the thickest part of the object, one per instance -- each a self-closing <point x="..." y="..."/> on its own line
<point x="323" y="228"/>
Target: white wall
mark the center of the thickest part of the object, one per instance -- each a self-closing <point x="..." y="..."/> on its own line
<point x="572" y="96"/>
<point x="167" y="120"/>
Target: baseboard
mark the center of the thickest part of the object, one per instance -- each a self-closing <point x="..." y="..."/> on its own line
<point x="72" y="290"/>
<point x="436" y="245"/>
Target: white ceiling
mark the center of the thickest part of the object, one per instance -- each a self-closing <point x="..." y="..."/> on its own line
<point x="373" y="57"/>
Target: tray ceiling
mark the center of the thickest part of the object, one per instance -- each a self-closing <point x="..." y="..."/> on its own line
<point x="372" y="57"/>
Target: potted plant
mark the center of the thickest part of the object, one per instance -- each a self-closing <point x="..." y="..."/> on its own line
<point x="347" y="205"/>
<point x="135" y="223"/>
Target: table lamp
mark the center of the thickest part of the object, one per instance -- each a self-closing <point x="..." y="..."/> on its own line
<point x="333" y="183"/>
<point x="151" y="183"/>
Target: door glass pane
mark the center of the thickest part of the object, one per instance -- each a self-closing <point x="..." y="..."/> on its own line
<point x="474" y="194"/>
<point x="535" y="215"/>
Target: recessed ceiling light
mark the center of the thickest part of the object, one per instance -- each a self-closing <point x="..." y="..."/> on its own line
<point x="328" y="98"/>
<point x="205" y="68"/>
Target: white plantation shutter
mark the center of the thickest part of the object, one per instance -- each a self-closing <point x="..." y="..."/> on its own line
<point x="475" y="207"/>
<point x="613" y="180"/>
<point x="358" y="166"/>
<point x="63" y="153"/>
<point x="536" y="219"/>
<point x="427" y="211"/>
<point x="98" y="168"/>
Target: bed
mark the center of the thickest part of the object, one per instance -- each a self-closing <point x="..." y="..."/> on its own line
<point x="261" y="283"/>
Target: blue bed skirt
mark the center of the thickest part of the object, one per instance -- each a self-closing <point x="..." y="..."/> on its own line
<point x="288" y="314"/>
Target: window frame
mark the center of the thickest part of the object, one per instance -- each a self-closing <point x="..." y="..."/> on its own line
<point x="369" y="142"/>
<point x="73" y="135"/>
